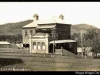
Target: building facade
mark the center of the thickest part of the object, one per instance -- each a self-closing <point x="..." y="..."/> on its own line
<point x="46" y="36"/>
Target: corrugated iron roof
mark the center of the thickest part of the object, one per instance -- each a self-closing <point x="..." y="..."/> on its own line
<point x="46" y="21"/>
<point x="52" y="20"/>
<point x="4" y="42"/>
<point x="33" y="24"/>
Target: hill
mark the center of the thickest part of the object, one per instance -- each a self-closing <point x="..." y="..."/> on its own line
<point x="78" y="27"/>
<point x="16" y="28"/>
<point x="13" y="28"/>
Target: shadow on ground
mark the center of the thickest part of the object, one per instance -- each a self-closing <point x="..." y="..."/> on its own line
<point x="9" y="61"/>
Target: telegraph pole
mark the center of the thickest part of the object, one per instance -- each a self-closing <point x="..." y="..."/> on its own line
<point x="53" y="40"/>
<point x="82" y="42"/>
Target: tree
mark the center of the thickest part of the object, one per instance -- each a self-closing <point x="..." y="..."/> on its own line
<point x="93" y="35"/>
<point x="81" y="41"/>
<point x="89" y="39"/>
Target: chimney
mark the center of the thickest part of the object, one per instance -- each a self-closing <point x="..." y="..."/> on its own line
<point x="61" y="17"/>
<point x="35" y="17"/>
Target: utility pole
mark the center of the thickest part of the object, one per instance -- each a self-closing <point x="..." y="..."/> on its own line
<point x="31" y="44"/>
<point x="53" y="35"/>
<point x="82" y="42"/>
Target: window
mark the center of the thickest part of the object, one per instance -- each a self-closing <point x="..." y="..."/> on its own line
<point x="25" y="32"/>
<point x="34" y="45"/>
<point x="39" y="45"/>
<point x="43" y="45"/>
<point x="31" y="31"/>
<point x="27" y="45"/>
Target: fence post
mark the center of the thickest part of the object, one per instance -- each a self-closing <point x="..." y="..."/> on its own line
<point x="27" y="52"/>
<point x="62" y="51"/>
<point x="44" y="54"/>
<point x="51" y="54"/>
<point x="36" y="54"/>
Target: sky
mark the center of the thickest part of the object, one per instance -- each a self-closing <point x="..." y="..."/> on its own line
<point x="74" y="12"/>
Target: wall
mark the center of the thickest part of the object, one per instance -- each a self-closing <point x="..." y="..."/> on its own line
<point x="26" y="38"/>
<point x="63" y="31"/>
<point x="45" y="40"/>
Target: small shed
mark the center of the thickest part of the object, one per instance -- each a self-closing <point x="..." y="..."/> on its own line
<point x="4" y="44"/>
<point x="87" y="50"/>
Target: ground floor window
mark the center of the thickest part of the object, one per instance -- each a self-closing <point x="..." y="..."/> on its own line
<point x="34" y="45"/>
<point x="26" y="45"/>
<point x="39" y="45"/>
<point x="43" y="46"/>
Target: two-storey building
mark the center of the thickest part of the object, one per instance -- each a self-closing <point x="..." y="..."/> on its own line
<point x="47" y="36"/>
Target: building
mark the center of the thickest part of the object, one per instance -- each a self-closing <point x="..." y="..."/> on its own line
<point x="5" y="44"/>
<point x="84" y="51"/>
<point x="48" y="36"/>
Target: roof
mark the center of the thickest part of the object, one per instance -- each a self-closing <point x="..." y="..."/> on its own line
<point x="63" y="41"/>
<point x="40" y="35"/>
<point x="4" y="42"/>
<point x="53" y="20"/>
<point x="46" y="21"/>
<point x="33" y="24"/>
<point x="49" y="26"/>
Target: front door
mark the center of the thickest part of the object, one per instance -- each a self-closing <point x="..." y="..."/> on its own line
<point x="51" y="48"/>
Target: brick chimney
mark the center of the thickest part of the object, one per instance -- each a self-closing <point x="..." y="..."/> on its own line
<point x="61" y="17"/>
<point x="35" y="17"/>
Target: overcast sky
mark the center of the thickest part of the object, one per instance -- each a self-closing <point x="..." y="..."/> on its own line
<point x="74" y="12"/>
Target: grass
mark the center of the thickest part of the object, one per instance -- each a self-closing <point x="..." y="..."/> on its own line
<point x="61" y="64"/>
<point x="58" y="63"/>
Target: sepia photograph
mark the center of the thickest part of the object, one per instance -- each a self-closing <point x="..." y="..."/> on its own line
<point x="50" y="36"/>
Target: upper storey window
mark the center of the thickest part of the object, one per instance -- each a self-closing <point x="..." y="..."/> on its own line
<point x="31" y="32"/>
<point x="26" y="33"/>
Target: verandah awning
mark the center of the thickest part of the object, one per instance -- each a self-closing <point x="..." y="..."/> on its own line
<point x="40" y="27"/>
<point x="62" y="41"/>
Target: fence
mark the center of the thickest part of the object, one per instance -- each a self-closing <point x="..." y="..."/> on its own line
<point x="12" y="52"/>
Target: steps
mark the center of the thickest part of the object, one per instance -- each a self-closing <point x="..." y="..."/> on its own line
<point x="65" y="52"/>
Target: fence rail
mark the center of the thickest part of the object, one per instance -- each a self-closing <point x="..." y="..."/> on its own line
<point x="13" y="53"/>
<point x="12" y="50"/>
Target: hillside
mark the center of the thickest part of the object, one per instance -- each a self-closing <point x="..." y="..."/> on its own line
<point x="76" y="28"/>
<point x="16" y="28"/>
<point x="13" y="28"/>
